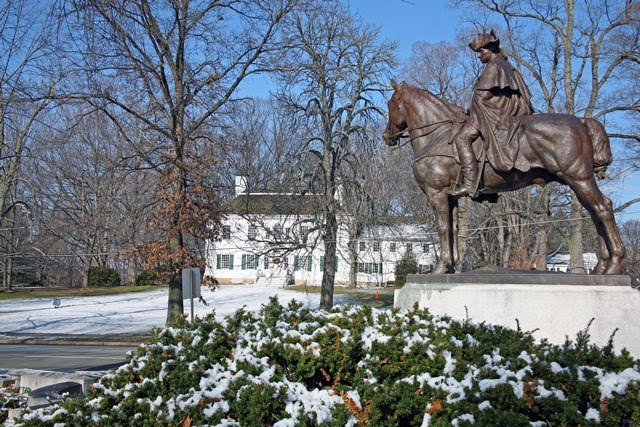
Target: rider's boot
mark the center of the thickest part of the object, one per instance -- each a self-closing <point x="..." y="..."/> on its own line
<point x="469" y="166"/>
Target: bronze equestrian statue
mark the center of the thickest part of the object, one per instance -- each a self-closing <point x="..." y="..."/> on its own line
<point x="501" y="146"/>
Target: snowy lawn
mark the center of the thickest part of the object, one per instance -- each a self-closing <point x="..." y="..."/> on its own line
<point x="134" y="313"/>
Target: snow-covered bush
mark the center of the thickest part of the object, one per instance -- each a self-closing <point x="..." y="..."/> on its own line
<point x="10" y="398"/>
<point x="290" y="366"/>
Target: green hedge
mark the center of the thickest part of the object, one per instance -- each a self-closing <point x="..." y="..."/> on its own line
<point x="405" y="266"/>
<point x="356" y="366"/>
<point x="146" y="278"/>
<point x="103" y="276"/>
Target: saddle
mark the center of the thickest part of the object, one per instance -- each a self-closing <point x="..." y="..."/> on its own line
<point x="502" y="156"/>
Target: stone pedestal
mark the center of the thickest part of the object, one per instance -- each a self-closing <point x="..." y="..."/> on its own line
<point x="556" y="304"/>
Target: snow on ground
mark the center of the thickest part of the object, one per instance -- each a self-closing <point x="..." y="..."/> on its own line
<point x="133" y="313"/>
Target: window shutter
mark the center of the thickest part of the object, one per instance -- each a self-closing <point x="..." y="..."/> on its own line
<point x="231" y="262"/>
<point x="244" y="262"/>
<point x="380" y="268"/>
<point x="218" y="261"/>
<point x="336" y="265"/>
<point x="322" y="263"/>
<point x="309" y="263"/>
<point x="257" y="265"/>
<point x="296" y="263"/>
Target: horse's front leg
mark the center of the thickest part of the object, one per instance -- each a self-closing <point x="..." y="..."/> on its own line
<point x="443" y="210"/>
<point x="454" y="209"/>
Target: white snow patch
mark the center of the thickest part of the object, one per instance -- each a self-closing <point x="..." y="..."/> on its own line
<point x="483" y="406"/>
<point x="592" y="414"/>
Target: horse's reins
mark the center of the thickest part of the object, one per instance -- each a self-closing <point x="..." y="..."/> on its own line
<point x="400" y="134"/>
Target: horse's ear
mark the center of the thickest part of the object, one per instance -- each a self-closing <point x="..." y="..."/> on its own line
<point x="394" y="85"/>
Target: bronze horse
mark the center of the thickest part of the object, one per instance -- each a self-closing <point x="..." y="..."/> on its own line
<point x="555" y="147"/>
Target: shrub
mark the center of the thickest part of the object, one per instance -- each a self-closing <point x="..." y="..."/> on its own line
<point x="294" y="366"/>
<point x="103" y="276"/>
<point x="146" y="278"/>
<point x="11" y="398"/>
<point x="405" y="266"/>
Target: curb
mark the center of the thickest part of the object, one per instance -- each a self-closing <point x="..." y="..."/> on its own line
<point x="120" y="340"/>
<point x="30" y="341"/>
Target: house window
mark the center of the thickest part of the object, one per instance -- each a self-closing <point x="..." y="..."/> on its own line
<point x="425" y="248"/>
<point x="369" y="267"/>
<point x="249" y="262"/>
<point x="224" y="261"/>
<point x="424" y="269"/>
<point x="304" y="232"/>
<point x="376" y="246"/>
<point x="285" y="262"/>
<point x="277" y="230"/>
<point x="322" y="263"/>
<point x="302" y="263"/>
<point x="266" y="262"/>
<point x="252" y="233"/>
<point x="362" y="246"/>
<point x="409" y="247"/>
<point x="226" y="232"/>
<point x="392" y="247"/>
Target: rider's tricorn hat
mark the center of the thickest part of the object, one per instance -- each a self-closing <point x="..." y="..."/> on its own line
<point x="488" y="41"/>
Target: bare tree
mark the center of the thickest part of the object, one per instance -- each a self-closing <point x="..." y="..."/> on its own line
<point x="27" y="81"/>
<point x="174" y="67"/>
<point x="84" y="190"/>
<point x="630" y="231"/>
<point x="336" y="68"/>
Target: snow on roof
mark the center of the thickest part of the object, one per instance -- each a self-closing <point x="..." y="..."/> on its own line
<point x="564" y="258"/>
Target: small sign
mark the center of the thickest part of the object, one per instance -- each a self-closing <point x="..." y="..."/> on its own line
<point x="190" y="280"/>
<point x="276" y="260"/>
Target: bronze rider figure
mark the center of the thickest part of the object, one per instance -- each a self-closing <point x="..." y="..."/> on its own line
<point x="499" y="94"/>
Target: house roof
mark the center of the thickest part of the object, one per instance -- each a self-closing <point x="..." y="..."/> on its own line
<point x="273" y="204"/>
<point x="565" y="258"/>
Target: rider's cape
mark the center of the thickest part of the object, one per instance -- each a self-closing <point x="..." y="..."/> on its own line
<point x="500" y="95"/>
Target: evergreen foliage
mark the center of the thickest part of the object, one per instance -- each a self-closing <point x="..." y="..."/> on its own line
<point x="103" y="276"/>
<point x="291" y="366"/>
<point x="146" y="278"/>
<point x="405" y="266"/>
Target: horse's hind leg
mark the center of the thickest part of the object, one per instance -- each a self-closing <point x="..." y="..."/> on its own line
<point x="603" y="253"/>
<point x="601" y="211"/>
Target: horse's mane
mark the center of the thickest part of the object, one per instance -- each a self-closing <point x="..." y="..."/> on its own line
<point x="450" y="109"/>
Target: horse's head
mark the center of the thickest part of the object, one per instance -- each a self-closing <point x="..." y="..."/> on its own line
<point x="397" y="120"/>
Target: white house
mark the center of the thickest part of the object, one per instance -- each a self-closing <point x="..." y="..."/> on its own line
<point x="272" y="238"/>
<point x="561" y="262"/>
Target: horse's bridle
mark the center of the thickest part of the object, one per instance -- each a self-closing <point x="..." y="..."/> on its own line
<point x="400" y="134"/>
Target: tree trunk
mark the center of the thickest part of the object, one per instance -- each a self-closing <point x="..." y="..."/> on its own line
<point x="175" y="307"/>
<point x="542" y="236"/>
<point x="575" y="240"/>
<point x="329" y="272"/>
<point x="85" y="275"/>
<point x="10" y="273"/>
<point x="352" y="246"/>
<point x="131" y="270"/>
<point x="464" y="216"/>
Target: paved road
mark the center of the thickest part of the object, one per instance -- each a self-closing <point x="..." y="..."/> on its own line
<point x="65" y="358"/>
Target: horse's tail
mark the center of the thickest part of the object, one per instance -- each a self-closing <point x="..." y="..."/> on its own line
<point x="602" y="156"/>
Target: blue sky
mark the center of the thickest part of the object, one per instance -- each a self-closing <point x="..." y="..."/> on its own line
<point x="435" y="20"/>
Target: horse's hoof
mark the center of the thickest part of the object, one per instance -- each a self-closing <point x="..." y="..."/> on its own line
<point x="441" y="269"/>
<point x="613" y="268"/>
<point x="599" y="268"/>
